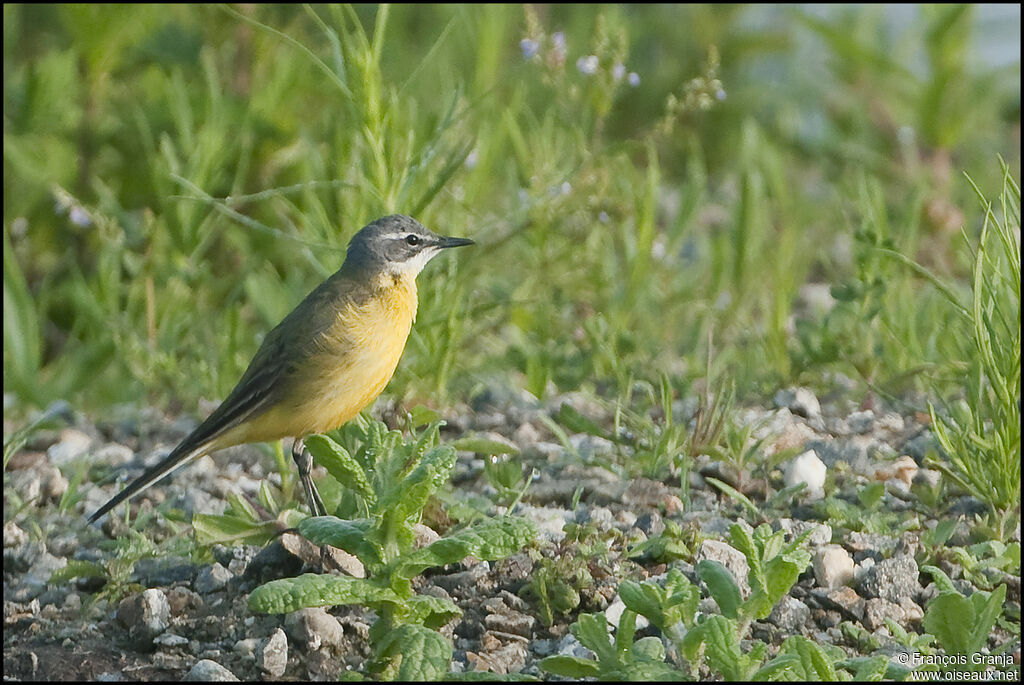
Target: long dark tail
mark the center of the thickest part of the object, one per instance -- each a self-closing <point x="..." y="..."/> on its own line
<point x="181" y="455"/>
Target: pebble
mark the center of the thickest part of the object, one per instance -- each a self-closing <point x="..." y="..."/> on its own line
<point x="170" y="640"/>
<point x="877" y="610"/>
<point x="206" y="670"/>
<point x="550" y="521"/>
<point x="73" y="444"/>
<point x="212" y="578"/>
<point x="513" y="623"/>
<point x="807" y="468"/>
<point x="145" y="615"/>
<point x="790" y="615"/>
<point x="821" y="535"/>
<point x="861" y="422"/>
<point x="314" y="628"/>
<point x="13" y="535"/>
<point x="650" y="523"/>
<point x="800" y="401"/>
<point x="833" y="566"/>
<point x="891" y="579"/>
<point x="843" y="599"/>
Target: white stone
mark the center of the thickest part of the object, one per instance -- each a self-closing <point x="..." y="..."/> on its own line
<point x="807" y="468"/>
<point x="833" y="567"/>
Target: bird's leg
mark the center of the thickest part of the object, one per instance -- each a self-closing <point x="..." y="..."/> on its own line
<point x="304" y="461"/>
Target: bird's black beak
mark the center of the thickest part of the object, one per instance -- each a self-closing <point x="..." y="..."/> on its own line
<point x="445" y="241"/>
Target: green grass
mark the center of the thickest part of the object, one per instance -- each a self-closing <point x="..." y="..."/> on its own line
<point x="177" y="178"/>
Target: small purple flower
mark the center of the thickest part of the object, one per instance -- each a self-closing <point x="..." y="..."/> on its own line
<point x="566" y="188"/>
<point x="558" y="40"/>
<point x="79" y="217"/>
<point x="587" y="65"/>
<point x="618" y="71"/>
<point x="529" y="47"/>
<point x="634" y="79"/>
<point x="720" y="94"/>
<point x="603" y="217"/>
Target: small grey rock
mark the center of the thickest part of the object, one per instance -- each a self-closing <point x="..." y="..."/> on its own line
<point x="212" y="578"/>
<point x="13" y="535"/>
<point x="513" y="623"/>
<point x="877" y="610"/>
<point x="272" y="655"/>
<point x="314" y="628"/>
<point x="650" y="523"/>
<point x="861" y="421"/>
<point x="821" y="535"/>
<point x="800" y="401"/>
<point x="857" y="541"/>
<point x="790" y="615"/>
<point x="206" y="670"/>
<point x="843" y="599"/>
<point x="170" y="640"/>
<point x="145" y="615"/>
<point x="73" y="444"/>
<point x="891" y="579"/>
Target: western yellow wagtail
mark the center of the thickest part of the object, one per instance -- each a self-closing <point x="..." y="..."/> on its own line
<point x="325" y="361"/>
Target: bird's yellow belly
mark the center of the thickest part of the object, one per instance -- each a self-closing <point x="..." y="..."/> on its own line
<point x="353" y="362"/>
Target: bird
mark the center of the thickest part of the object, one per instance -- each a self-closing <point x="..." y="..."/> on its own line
<point x="326" y="361"/>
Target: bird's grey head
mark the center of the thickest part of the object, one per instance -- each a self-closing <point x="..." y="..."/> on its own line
<point x="397" y="244"/>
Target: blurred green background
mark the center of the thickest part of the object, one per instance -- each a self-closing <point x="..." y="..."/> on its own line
<point x="697" y="193"/>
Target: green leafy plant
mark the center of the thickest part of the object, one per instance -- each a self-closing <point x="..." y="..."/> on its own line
<point x="962" y="625"/>
<point x="980" y="434"/>
<point x="698" y="645"/>
<point x="385" y="485"/>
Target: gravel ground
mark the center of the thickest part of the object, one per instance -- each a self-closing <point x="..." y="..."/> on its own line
<point x="181" y="620"/>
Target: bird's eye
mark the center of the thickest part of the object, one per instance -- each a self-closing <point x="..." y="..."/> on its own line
<point x="412" y="239"/>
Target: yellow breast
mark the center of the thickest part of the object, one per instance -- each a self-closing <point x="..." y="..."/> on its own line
<point x="354" y="361"/>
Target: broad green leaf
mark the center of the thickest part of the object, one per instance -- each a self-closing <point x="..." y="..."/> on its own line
<point x="211" y="529"/>
<point x="312" y="590"/>
<point x="940" y="578"/>
<point x="649" y="649"/>
<point x="410" y="496"/>
<point x="488" y="541"/>
<point x="742" y="540"/>
<point x="352" y="536"/>
<point x="592" y="632"/>
<point x="433" y="612"/>
<point x="867" y="669"/>
<point x="774" y="669"/>
<point x="624" y="633"/>
<point x="951" y="618"/>
<point x="341" y="465"/>
<point x="988" y="606"/>
<point x="815" y="664"/>
<point x="722" y="586"/>
<point x="647" y="600"/>
<point x="421" y="653"/>
<point x="722" y="649"/>
<point x="570" y="666"/>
